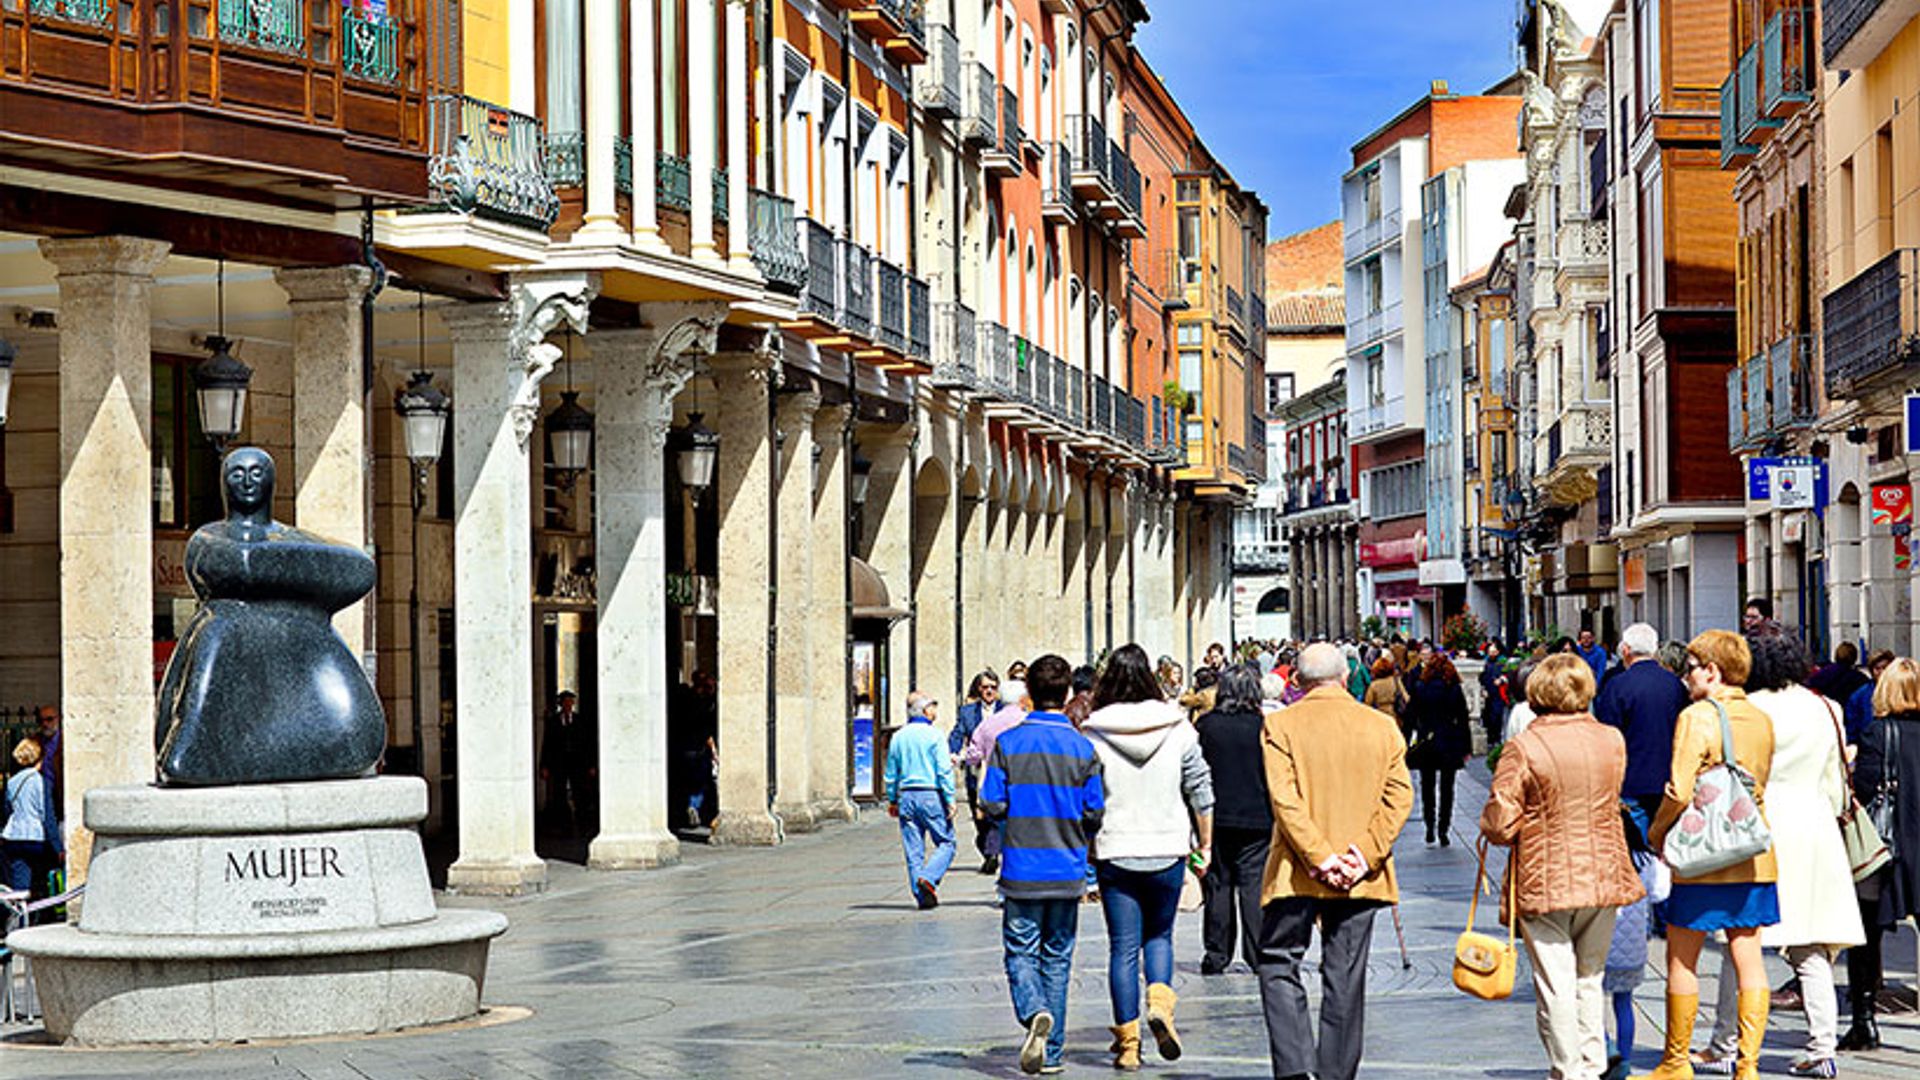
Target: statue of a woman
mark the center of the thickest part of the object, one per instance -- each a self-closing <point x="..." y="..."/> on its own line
<point x="261" y="689"/>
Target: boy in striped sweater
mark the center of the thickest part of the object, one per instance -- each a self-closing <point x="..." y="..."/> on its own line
<point x="1043" y="780"/>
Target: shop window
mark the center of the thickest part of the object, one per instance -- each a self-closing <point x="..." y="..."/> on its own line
<point x="186" y="468"/>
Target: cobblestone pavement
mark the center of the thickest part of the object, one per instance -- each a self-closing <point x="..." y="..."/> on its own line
<point x="809" y="961"/>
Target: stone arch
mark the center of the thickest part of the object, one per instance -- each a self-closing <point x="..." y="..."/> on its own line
<point x="1275" y="601"/>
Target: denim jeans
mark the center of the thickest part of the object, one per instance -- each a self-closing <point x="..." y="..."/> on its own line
<point x="1039" y="936"/>
<point x="1140" y="908"/>
<point x="923" y="816"/>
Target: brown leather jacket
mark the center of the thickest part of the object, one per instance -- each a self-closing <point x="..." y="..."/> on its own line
<point x="1556" y="801"/>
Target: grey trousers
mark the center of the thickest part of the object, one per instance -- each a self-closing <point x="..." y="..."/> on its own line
<point x="1346" y="938"/>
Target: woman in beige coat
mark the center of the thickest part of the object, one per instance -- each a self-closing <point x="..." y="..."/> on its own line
<point x="1556" y="801"/>
<point x="1806" y="793"/>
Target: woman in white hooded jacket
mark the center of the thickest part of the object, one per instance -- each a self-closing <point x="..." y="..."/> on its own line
<point x="1159" y="814"/>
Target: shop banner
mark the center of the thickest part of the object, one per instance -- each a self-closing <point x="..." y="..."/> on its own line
<point x="1793" y="487"/>
<point x="1892" y="504"/>
<point x="1763" y="472"/>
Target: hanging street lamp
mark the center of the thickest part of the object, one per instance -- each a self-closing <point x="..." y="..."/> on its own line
<point x="220" y="381"/>
<point x="423" y="409"/>
<point x="698" y="456"/>
<point x="6" y="378"/>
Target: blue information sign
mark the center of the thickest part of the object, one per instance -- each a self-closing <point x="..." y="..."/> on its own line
<point x="1760" y="477"/>
<point x="1913" y="424"/>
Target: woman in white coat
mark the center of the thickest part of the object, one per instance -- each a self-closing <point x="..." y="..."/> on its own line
<point x="1806" y="793"/>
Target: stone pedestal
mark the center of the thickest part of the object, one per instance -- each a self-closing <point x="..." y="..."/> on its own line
<point x="265" y="911"/>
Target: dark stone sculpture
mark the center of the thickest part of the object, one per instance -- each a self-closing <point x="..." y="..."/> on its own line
<point x="261" y="689"/>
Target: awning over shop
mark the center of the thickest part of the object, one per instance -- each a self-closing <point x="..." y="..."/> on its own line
<point x="870" y="598"/>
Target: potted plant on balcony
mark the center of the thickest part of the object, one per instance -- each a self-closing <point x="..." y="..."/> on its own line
<point x="1177" y="397"/>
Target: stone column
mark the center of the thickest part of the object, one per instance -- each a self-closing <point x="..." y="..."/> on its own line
<point x="739" y="82"/>
<point x="794" y="703"/>
<point x="935" y="592"/>
<point x="1072" y="570"/>
<point x="637" y="376"/>
<point x="703" y="90"/>
<point x="1349" y="582"/>
<point x="744" y="486"/>
<point x="1119" y="581"/>
<point x="888" y="517"/>
<point x="106" y="518"/>
<point x="827" y="637"/>
<point x="329" y="414"/>
<point x="977" y="629"/>
<point x="500" y="356"/>
<point x="1095" y="556"/>
<point x="602" y="32"/>
<point x="641" y="88"/>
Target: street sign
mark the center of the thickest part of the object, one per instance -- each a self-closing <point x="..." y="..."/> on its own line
<point x="1762" y="471"/>
<point x="1793" y="487"/>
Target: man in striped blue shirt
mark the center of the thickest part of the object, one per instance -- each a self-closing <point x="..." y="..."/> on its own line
<point x="1044" y="782"/>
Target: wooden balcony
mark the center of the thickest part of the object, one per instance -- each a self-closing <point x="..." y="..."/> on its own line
<point x="304" y="102"/>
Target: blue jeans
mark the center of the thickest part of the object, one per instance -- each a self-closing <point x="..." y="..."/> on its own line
<point x="1140" y="908"/>
<point x="1039" y="936"/>
<point x="923" y="815"/>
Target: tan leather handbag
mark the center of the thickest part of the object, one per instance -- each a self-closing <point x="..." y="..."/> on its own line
<point x="1483" y="965"/>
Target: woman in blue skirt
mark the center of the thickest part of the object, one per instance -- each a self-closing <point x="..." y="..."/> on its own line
<point x="1739" y="899"/>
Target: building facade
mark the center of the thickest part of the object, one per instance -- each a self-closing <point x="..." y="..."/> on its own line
<point x="817" y="348"/>
<point x="1421" y="210"/>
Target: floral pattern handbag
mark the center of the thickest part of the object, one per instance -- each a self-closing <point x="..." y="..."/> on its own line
<point x="1723" y="826"/>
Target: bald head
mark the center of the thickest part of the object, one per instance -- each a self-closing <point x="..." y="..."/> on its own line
<point x="1321" y="663"/>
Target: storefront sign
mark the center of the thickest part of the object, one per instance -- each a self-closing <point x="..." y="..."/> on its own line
<point x="1634" y="573"/>
<point x="1892" y="504"/>
<point x="1395" y="552"/>
<point x="1913" y="424"/>
<point x="1794" y="529"/>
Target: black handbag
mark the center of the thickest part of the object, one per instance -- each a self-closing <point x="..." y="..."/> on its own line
<point x="1881" y="809"/>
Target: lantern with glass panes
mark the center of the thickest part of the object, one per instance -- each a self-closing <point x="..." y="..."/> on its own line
<point x="220" y="382"/>
<point x="569" y="432"/>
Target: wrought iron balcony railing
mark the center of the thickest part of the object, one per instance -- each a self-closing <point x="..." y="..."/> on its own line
<point x="369" y="45"/>
<point x="995" y="365"/>
<point x="673" y="183"/>
<point x="1006" y="156"/>
<point x="721" y="207"/>
<point x="919" y="320"/>
<point x="890" y="297"/>
<point x="1787" y="71"/>
<point x="275" y="25"/>
<point x="1129" y="419"/>
<point x="1736" y="408"/>
<point x="856" y="289"/>
<point x="1056" y="198"/>
<point x="1734" y="150"/>
<point x="776" y="243"/>
<point x="821" y="297"/>
<point x="1752" y="121"/>
<point x="1790" y="370"/>
<point x="565" y="154"/>
<point x="486" y="160"/>
<point x="1091" y="175"/>
<point x="88" y="12"/>
<point x="1759" y="402"/>
<point x="1076" y="395"/>
<point x="1870" y="325"/>
<point x="937" y="82"/>
<point x="955" y="348"/>
<point x="979" y="105"/>
<point x="623" y="168"/>
<point x="1236" y="319"/>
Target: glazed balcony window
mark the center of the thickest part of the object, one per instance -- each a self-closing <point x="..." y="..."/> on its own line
<point x="314" y="102"/>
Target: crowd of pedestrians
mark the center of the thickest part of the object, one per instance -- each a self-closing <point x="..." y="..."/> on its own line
<point x="1272" y="786"/>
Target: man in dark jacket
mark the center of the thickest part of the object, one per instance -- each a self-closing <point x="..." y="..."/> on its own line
<point x="1841" y="678"/>
<point x="1643" y="700"/>
<point x="1043" y="863"/>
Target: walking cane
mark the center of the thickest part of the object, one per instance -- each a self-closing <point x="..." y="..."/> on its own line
<point x="1401" y="932"/>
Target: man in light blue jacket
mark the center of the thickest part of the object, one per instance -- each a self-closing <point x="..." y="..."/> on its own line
<point x="920" y="793"/>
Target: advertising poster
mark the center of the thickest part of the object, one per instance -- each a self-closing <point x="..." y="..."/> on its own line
<point x="1892" y="504"/>
<point x="865" y="776"/>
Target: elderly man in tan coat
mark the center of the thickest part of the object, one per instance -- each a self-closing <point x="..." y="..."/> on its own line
<point x="1337" y="777"/>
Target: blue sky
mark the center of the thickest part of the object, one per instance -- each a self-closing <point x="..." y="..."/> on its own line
<point x="1280" y="90"/>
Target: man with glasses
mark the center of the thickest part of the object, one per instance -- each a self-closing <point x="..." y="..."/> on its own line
<point x="983" y="700"/>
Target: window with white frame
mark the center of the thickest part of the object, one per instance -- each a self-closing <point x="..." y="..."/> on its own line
<point x="1397" y="491"/>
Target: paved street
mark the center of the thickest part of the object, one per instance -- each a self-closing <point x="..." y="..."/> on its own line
<point x="809" y="961"/>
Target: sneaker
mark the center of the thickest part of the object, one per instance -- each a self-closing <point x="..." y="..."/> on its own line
<point x="1712" y="1064"/>
<point x="1616" y="1069"/>
<point x="1813" y="1067"/>
<point x="1053" y="1069"/>
<point x="929" y="897"/>
<point x="1033" y="1050"/>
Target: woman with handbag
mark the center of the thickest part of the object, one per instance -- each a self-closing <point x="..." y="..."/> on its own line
<point x="1806" y="794"/>
<point x="1886" y="780"/>
<point x="1556" y="801"/>
<point x="1713" y="811"/>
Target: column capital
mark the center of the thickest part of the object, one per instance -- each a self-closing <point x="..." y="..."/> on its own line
<point x="761" y="365"/>
<point x="794" y="413"/>
<point x="831" y="420"/>
<point x="132" y="255"/>
<point x="322" y="284"/>
<point x="536" y="304"/>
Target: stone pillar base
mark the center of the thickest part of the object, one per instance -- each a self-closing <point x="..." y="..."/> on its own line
<point x="835" y="810"/>
<point x="796" y="817"/>
<point x="746" y="829"/>
<point x="512" y="876"/>
<point x="632" y="851"/>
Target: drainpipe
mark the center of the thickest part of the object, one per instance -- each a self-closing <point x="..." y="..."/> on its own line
<point x="773" y="589"/>
<point x="913" y="539"/>
<point x="368" y="505"/>
<point x="846" y="570"/>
